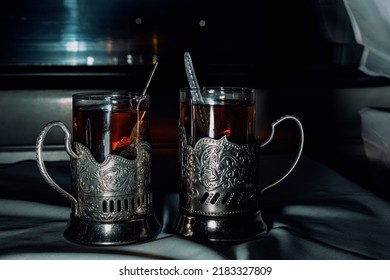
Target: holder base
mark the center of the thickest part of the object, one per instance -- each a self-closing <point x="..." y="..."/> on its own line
<point x="217" y="229"/>
<point x="117" y="233"/>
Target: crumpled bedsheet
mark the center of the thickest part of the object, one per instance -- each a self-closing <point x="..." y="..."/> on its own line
<point x="314" y="213"/>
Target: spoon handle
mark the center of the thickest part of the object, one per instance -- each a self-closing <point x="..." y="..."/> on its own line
<point x="135" y="133"/>
<point x="150" y="78"/>
<point x="195" y="92"/>
<point x="191" y="76"/>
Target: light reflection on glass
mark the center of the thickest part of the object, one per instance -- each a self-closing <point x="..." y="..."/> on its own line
<point x="109" y="45"/>
<point x="82" y="34"/>
<point x="75" y="46"/>
<point x="129" y="59"/>
<point x="90" y="60"/>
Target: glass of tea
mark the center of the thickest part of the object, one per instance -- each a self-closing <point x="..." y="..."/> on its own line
<point x="110" y="154"/>
<point x="219" y="156"/>
<point x="110" y="123"/>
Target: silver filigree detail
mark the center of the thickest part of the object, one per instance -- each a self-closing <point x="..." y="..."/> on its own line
<point x="219" y="177"/>
<point x="117" y="189"/>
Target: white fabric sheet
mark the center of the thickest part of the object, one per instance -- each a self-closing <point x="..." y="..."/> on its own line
<point x="371" y="25"/>
<point x="314" y="214"/>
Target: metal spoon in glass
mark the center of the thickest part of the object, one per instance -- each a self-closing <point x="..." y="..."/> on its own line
<point x="196" y="94"/>
<point x="135" y="133"/>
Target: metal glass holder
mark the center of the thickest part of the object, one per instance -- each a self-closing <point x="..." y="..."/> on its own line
<point x="111" y="201"/>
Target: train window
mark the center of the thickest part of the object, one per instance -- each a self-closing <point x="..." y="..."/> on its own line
<point x="119" y="32"/>
<point x="237" y="41"/>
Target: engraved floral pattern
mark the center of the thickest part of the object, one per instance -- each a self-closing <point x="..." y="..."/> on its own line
<point x="115" y="180"/>
<point x="219" y="177"/>
<point x="220" y="164"/>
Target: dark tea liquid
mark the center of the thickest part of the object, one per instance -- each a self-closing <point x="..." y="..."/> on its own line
<point x="108" y="131"/>
<point x="233" y="119"/>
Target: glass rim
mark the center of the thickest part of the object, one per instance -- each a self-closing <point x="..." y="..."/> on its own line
<point x="219" y="88"/>
<point x="213" y="95"/>
<point x="106" y="95"/>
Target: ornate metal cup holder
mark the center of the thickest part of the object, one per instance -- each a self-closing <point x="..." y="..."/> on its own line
<point x="219" y="194"/>
<point x="112" y="200"/>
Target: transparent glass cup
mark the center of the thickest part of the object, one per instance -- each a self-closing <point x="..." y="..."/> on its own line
<point x="110" y="155"/>
<point x="219" y="156"/>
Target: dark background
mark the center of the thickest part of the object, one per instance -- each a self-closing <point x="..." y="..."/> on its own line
<point x="301" y="56"/>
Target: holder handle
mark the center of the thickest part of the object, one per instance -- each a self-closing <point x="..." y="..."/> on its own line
<point x="41" y="164"/>
<point x="269" y="139"/>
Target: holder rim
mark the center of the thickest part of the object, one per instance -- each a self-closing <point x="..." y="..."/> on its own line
<point x="208" y="229"/>
<point x="117" y="233"/>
